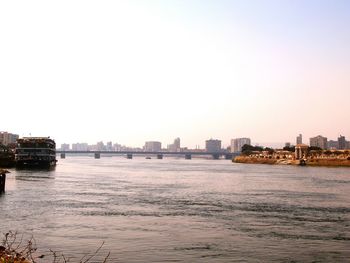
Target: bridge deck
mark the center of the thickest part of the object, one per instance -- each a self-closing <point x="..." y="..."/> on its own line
<point x="144" y="153"/>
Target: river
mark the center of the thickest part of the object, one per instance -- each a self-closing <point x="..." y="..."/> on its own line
<point x="176" y="210"/>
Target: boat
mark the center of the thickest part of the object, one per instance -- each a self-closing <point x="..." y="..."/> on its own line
<point x="7" y="157"/>
<point x="35" y="152"/>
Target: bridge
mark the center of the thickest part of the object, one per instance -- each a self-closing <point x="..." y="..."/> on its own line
<point x="129" y="154"/>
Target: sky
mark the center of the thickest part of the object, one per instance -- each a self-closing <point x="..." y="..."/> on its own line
<point x="133" y="71"/>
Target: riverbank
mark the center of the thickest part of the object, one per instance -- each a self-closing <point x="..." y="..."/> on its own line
<point x="332" y="162"/>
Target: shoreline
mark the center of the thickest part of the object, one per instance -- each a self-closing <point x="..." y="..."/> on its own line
<point x="308" y="162"/>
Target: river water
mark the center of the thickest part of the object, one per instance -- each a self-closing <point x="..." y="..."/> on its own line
<point x="176" y="210"/>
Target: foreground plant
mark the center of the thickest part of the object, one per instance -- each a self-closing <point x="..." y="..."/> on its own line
<point x="15" y="250"/>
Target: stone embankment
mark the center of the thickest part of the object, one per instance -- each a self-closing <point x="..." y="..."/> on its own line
<point x="328" y="162"/>
<point x="332" y="162"/>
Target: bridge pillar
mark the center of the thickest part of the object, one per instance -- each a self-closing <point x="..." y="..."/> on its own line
<point x="129" y="156"/>
<point x="188" y="156"/>
<point x="159" y="156"/>
<point x="63" y="155"/>
<point x="97" y="155"/>
<point x="229" y="156"/>
<point x="216" y="156"/>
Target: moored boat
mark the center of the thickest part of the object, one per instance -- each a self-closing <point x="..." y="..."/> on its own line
<point x="35" y="152"/>
<point x="7" y="157"/>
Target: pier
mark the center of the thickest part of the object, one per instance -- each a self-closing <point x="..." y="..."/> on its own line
<point x="159" y="155"/>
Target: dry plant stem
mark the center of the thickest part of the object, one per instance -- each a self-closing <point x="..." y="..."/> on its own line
<point x="97" y="250"/>
<point x="18" y="250"/>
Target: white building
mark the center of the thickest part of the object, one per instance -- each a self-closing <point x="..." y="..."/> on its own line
<point x="237" y="144"/>
<point x="213" y="145"/>
<point x="80" y="147"/>
<point x="152" y="146"/>
<point x="65" y="147"/>
<point x="109" y="146"/>
<point x="175" y="147"/>
<point x="319" y="141"/>
<point x="299" y="139"/>
<point x="100" y="146"/>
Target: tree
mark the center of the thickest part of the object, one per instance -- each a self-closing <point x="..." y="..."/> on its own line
<point x="289" y="148"/>
<point x="314" y="148"/>
<point x="248" y="149"/>
<point x="269" y="150"/>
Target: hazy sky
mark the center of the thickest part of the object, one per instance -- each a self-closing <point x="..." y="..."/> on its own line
<point x="131" y="71"/>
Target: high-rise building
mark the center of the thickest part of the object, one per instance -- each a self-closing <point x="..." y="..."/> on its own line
<point x="65" y="147"/>
<point x="341" y="143"/>
<point x="117" y="147"/>
<point x="213" y="145"/>
<point x="109" y="146"/>
<point x="175" y="147"/>
<point x="237" y="144"/>
<point x="177" y="144"/>
<point x="80" y="147"/>
<point x="7" y="138"/>
<point x="332" y="145"/>
<point x="153" y="146"/>
<point x="100" y="146"/>
<point x="299" y="139"/>
<point x="319" y="141"/>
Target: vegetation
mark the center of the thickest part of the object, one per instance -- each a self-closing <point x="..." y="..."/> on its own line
<point x="314" y="148"/>
<point x="15" y="250"/>
<point x="289" y="148"/>
<point x="248" y="149"/>
<point x="269" y="150"/>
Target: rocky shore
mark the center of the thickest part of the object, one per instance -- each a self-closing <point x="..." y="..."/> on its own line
<point x="330" y="162"/>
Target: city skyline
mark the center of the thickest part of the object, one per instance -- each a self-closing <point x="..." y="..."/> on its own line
<point x="153" y="70"/>
<point x="340" y="142"/>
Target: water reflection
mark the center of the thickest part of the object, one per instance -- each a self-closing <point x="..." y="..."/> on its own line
<point x="34" y="174"/>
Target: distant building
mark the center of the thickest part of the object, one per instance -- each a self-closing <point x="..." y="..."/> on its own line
<point x="100" y="146"/>
<point x="347" y="144"/>
<point x="175" y="147"/>
<point x="80" y="147"/>
<point x="65" y="147"/>
<point x="287" y="144"/>
<point x="319" y="141"/>
<point x="213" y="145"/>
<point x="117" y="147"/>
<point x="299" y="139"/>
<point x="237" y="144"/>
<point x="109" y="146"/>
<point x="153" y="146"/>
<point x="332" y="145"/>
<point x="7" y="138"/>
<point x="341" y="143"/>
<point x="301" y="151"/>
